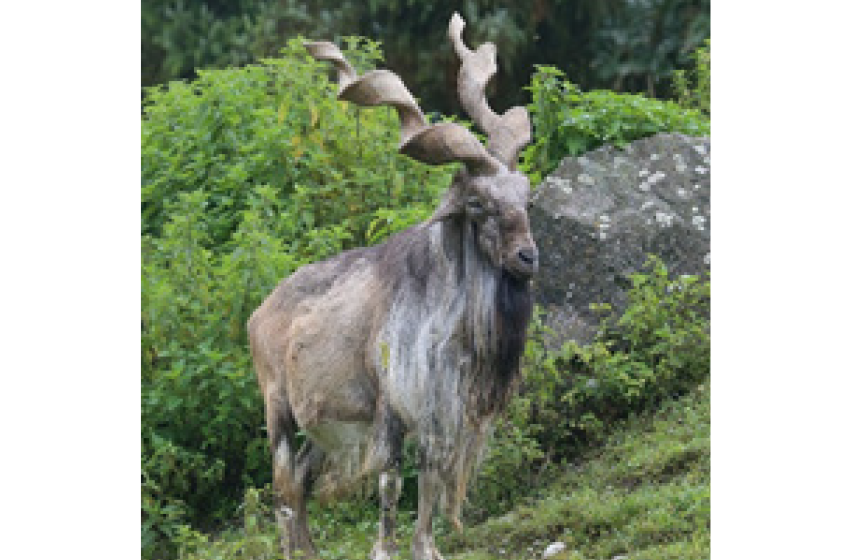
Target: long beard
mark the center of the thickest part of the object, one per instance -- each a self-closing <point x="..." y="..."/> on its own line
<point x="513" y="312"/>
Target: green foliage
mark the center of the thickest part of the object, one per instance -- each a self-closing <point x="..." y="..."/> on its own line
<point x="278" y="124"/>
<point x="253" y="540"/>
<point x="247" y="174"/>
<point x="504" y="476"/>
<point x="640" y="43"/>
<point x="693" y="89"/>
<point x="625" y="45"/>
<point x="250" y="173"/>
<point x="181" y="37"/>
<point x="570" y="122"/>
<point x="657" y="349"/>
<point x="644" y="494"/>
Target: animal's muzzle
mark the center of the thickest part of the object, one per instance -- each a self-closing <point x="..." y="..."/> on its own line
<point x="524" y="262"/>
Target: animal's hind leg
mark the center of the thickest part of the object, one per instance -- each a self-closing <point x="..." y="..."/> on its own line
<point x="306" y="469"/>
<point x="292" y="478"/>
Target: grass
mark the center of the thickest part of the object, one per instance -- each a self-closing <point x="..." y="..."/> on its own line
<point x="644" y="494"/>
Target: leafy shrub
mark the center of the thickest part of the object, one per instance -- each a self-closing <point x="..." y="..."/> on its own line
<point x="693" y="89"/>
<point x="641" y="43"/>
<point x="278" y="124"/>
<point x="570" y="122"/>
<point x="657" y="349"/>
<point x="181" y="36"/>
<point x="643" y="493"/>
<point x="623" y="45"/>
<point x="504" y="475"/>
<point x="247" y="174"/>
<point x="253" y="540"/>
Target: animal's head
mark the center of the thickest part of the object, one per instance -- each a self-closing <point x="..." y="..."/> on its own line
<point x="489" y="192"/>
<point x="496" y="206"/>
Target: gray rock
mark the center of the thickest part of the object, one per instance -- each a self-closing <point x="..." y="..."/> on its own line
<point x="598" y="216"/>
<point x="554" y="549"/>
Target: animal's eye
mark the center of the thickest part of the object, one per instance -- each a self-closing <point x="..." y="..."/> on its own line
<point x="474" y="206"/>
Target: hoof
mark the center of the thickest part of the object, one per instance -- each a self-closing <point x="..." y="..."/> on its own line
<point x="426" y="551"/>
<point x="383" y="552"/>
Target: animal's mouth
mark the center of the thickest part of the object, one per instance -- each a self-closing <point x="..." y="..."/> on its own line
<point x="522" y="263"/>
<point x="522" y="272"/>
<point x="521" y="267"/>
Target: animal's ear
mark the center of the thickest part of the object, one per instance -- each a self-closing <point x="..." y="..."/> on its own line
<point x="452" y="205"/>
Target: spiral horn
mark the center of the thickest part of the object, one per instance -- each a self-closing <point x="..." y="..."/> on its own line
<point x="507" y="134"/>
<point x="433" y="144"/>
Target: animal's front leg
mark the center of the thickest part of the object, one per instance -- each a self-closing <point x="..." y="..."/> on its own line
<point x="423" y="537"/>
<point x="390" y="490"/>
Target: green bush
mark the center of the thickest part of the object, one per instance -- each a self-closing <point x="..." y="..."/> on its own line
<point x="278" y="124"/>
<point x="623" y="45"/>
<point x="571" y="397"/>
<point x="643" y="493"/>
<point x="247" y="174"/>
<point x="569" y="122"/>
<point x="657" y="349"/>
<point x="255" y="539"/>
<point x="693" y="89"/>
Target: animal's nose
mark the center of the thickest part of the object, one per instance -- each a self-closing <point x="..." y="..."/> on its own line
<point x="527" y="255"/>
<point x="525" y="262"/>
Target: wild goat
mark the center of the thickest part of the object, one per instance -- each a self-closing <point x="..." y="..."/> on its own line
<point x="418" y="337"/>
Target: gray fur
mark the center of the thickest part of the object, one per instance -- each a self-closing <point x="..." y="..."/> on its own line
<point x="419" y="337"/>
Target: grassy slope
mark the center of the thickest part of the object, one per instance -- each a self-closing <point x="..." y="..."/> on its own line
<point x="644" y="494"/>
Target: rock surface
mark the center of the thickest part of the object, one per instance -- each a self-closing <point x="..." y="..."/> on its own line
<point x="598" y="216"/>
<point x="554" y="549"/>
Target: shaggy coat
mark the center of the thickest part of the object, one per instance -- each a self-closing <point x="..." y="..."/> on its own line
<point x="419" y="337"/>
<point x="422" y="332"/>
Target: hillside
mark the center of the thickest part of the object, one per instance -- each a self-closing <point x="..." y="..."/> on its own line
<point x="644" y="494"/>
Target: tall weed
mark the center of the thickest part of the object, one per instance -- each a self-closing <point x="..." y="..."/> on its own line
<point x="693" y="88"/>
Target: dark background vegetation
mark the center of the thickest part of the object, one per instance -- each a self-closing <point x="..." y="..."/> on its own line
<point x="620" y="45"/>
<point x="249" y="171"/>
